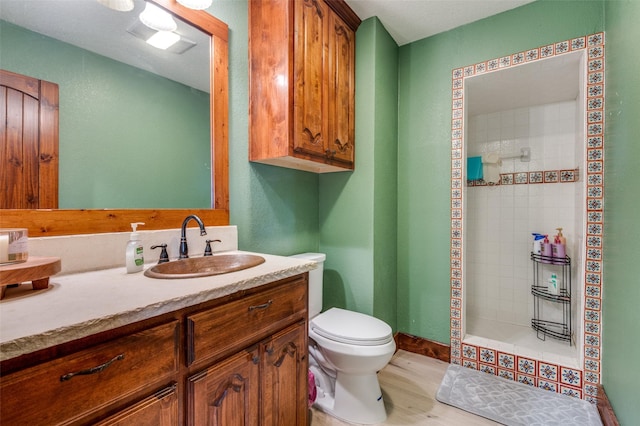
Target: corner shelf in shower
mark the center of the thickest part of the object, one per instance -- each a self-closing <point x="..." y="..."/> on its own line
<point x="558" y="330"/>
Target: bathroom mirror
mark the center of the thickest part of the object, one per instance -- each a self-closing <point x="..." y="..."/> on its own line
<point x="60" y="222"/>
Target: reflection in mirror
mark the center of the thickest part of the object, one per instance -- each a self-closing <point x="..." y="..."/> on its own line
<point x="134" y="126"/>
<point x="88" y="221"/>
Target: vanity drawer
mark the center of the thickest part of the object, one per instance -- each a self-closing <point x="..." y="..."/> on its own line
<point x="68" y="389"/>
<point x="224" y="329"/>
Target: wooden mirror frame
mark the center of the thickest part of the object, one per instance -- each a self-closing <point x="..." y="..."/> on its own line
<point x="43" y="223"/>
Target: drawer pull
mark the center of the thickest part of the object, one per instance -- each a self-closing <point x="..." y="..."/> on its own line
<point x="263" y="306"/>
<point x="92" y="370"/>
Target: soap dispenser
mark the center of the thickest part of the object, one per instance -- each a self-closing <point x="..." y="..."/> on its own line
<point x="134" y="257"/>
<point x="546" y="250"/>
<point x="559" y="248"/>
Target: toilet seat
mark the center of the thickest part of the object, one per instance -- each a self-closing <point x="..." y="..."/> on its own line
<point x="351" y="328"/>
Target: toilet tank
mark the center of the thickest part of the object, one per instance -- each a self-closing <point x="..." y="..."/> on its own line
<point x="315" y="281"/>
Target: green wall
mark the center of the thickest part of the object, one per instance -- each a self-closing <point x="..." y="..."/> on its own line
<point x="358" y="209"/>
<point x="424" y="142"/>
<point x="107" y="157"/>
<point x="621" y="346"/>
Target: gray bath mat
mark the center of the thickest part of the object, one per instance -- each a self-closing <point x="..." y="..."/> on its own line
<point x="512" y="403"/>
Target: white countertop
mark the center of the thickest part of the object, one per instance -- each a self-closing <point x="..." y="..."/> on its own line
<point x="82" y="304"/>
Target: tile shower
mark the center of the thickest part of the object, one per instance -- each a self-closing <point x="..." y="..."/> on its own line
<point x="559" y="186"/>
<point x="538" y="195"/>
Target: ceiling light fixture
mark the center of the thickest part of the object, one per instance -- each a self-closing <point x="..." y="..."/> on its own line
<point x="119" y="5"/>
<point x="196" y="4"/>
<point x="158" y="19"/>
<point x="163" y="39"/>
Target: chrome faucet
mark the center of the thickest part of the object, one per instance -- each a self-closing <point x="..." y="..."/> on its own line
<point x="184" y="249"/>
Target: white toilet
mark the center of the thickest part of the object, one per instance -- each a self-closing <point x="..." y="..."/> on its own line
<point x="346" y="351"/>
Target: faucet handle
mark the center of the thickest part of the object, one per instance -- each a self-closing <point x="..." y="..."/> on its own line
<point x="207" y="249"/>
<point x="164" y="256"/>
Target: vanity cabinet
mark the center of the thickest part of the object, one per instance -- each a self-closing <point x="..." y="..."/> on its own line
<point x="302" y="84"/>
<point x="237" y="360"/>
<point x="79" y="385"/>
<point x="261" y="385"/>
<point x="159" y="409"/>
<point x="227" y="393"/>
<point x="284" y="378"/>
<point x="263" y="378"/>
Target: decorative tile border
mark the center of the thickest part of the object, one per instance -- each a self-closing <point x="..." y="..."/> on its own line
<point x="525" y="370"/>
<point x="523" y="178"/>
<point x="578" y="383"/>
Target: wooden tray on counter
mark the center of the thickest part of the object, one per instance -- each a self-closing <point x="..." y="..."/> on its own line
<point x="35" y="269"/>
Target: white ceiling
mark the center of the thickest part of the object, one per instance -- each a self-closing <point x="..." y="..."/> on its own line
<point x="411" y="20"/>
<point x="105" y="33"/>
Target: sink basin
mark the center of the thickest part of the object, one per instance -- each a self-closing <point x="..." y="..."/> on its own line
<point x="194" y="267"/>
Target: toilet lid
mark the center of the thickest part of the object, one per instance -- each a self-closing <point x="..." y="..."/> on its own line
<point x="351" y="327"/>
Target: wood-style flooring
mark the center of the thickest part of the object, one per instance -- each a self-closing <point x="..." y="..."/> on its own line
<point x="409" y="385"/>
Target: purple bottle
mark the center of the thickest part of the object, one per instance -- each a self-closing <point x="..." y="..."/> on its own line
<point x="547" y="253"/>
<point x="559" y="248"/>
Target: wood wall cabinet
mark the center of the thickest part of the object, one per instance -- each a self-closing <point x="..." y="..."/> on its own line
<point x="302" y="84"/>
<point x="239" y="360"/>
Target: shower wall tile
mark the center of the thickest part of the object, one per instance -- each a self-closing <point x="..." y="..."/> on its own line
<point x="526" y="366"/>
<point x="547" y="385"/>
<point x="526" y="379"/>
<point x="489" y="369"/>
<point x="506" y="374"/>
<point x="548" y="371"/>
<point x="571" y="391"/>
<point x="571" y="377"/>
<point x="501" y="218"/>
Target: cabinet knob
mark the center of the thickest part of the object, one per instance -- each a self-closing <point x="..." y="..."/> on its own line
<point x="330" y="152"/>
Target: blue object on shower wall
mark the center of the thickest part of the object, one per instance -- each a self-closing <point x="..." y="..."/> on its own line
<point x="474" y="168"/>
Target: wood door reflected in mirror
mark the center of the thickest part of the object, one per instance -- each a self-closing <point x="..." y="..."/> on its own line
<point x="47" y="223"/>
<point x="29" y="141"/>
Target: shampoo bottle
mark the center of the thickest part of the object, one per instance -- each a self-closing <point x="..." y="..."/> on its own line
<point x="537" y="243"/>
<point x="553" y="284"/>
<point x="546" y="251"/>
<point x="134" y="256"/>
<point x="559" y="248"/>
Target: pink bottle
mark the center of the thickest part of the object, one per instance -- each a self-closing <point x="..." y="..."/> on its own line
<point x="559" y="248"/>
<point x="547" y="253"/>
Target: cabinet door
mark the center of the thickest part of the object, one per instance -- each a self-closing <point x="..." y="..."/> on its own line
<point x="310" y="91"/>
<point x="227" y="393"/>
<point x="341" y="82"/>
<point x="284" y="377"/>
<point x="160" y="409"/>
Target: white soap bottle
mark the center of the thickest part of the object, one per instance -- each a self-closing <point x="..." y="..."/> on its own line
<point x="553" y="285"/>
<point x="134" y="256"/>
